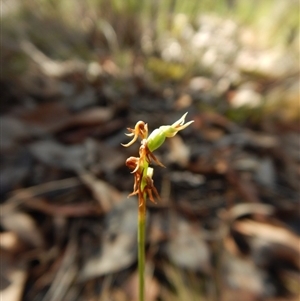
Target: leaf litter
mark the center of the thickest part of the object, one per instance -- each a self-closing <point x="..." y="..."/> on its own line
<point x="228" y="224"/>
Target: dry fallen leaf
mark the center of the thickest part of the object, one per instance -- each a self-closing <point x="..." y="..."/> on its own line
<point x="179" y="152"/>
<point x="24" y="226"/>
<point x="13" y="275"/>
<point x="187" y="249"/>
<point x="53" y="153"/>
<point x="241" y="274"/>
<point x="118" y="244"/>
<point x="12" y="132"/>
<point x="53" y="117"/>
<point x="11" y="243"/>
<point x="105" y="194"/>
<point x="269" y="233"/>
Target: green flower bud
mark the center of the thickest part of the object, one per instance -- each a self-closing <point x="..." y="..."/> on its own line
<point x="158" y="136"/>
<point x="156" y="139"/>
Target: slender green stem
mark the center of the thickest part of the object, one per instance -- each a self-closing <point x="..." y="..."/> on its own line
<point x="141" y="234"/>
<point x="141" y="250"/>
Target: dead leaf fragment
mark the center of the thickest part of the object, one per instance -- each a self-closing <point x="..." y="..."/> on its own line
<point x="105" y="194"/>
<point x="11" y="243"/>
<point x="242" y="274"/>
<point x="13" y="279"/>
<point x="24" y="226"/>
<point x="179" y="152"/>
<point x="12" y="131"/>
<point x="118" y="242"/>
<point x="55" y="154"/>
<point x="269" y="232"/>
<point x="187" y="248"/>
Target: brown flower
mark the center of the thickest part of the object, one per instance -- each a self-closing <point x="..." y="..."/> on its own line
<point x="143" y="184"/>
<point x="140" y="129"/>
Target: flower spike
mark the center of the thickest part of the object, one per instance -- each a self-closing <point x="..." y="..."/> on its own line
<point x="143" y="184"/>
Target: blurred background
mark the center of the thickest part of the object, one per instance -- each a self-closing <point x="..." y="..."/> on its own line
<point x="75" y="75"/>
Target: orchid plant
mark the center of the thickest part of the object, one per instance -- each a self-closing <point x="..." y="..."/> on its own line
<point x="143" y="185"/>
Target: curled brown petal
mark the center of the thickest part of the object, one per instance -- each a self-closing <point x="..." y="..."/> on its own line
<point x="144" y="152"/>
<point x="132" y="162"/>
<point x="151" y="190"/>
<point x="140" y="129"/>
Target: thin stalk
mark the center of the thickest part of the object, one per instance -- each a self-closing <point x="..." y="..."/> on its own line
<point x="141" y="250"/>
<point x="141" y="234"/>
